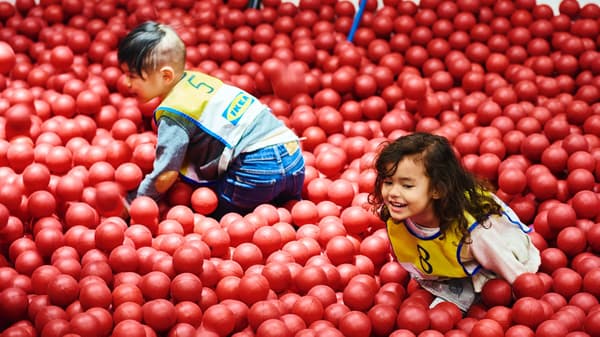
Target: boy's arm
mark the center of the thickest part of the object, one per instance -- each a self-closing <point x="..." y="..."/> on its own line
<point x="171" y="147"/>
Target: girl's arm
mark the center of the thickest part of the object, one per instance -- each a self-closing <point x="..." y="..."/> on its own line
<point x="503" y="248"/>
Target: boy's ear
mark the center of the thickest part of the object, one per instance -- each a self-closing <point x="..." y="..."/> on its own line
<point x="167" y="73"/>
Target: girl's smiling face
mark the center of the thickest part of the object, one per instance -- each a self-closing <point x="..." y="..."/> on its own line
<point x="407" y="193"/>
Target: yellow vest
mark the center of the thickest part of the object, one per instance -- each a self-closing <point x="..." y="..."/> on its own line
<point x="231" y="112"/>
<point x="431" y="257"/>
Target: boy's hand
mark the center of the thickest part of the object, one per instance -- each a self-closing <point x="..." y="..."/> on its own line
<point x="125" y="212"/>
<point x="126" y="200"/>
<point x="165" y="181"/>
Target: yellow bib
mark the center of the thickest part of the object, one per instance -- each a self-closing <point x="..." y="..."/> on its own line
<point x="191" y="95"/>
<point x="433" y="256"/>
<point x="220" y="110"/>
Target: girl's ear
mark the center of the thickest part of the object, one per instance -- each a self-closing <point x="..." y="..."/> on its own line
<point x="436" y="194"/>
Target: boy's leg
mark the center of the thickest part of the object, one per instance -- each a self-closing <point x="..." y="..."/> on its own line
<point x="294" y="171"/>
<point x="262" y="177"/>
<point x="250" y="181"/>
<point x="225" y="207"/>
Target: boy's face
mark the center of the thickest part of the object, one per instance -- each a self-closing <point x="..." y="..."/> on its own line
<point x="146" y="87"/>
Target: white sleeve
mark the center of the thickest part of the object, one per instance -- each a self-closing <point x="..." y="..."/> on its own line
<point x="503" y="248"/>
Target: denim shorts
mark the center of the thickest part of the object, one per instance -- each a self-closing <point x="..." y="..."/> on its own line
<point x="274" y="175"/>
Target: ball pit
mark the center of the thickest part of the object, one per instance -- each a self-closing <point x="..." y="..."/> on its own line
<point x="514" y="86"/>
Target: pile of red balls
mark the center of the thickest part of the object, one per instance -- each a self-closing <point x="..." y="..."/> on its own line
<point x="514" y="86"/>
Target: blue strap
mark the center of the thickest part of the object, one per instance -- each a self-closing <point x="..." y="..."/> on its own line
<point x="357" y="19"/>
<point x="254" y="4"/>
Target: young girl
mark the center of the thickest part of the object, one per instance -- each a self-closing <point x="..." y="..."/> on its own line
<point x="209" y="133"/>
<point x="448" y="230"/>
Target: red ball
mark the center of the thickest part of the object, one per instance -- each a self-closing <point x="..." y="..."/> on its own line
<point x="204" y="200"/>
<point x="95" y="294"/>
<point x="144" y="211"/>
<point x="7" y="58"/>
<point x="188" y="259"/>
<point x="186" y="287"/>
<point x="487" y="328"/>
<point x="289" y="80"/>
<point x="528" y="284"/>
<point x="63" y="290"/>
<point x="413" y="318"/>
<point x="586" y="204"/>
<point x="551" y="328"/>
<point x="273" y="327"/>
<point x="512" y="181"/>
<point x="14" y="304"/>
<point x="571" y="240"/>
<point x="109" y="199"/>
<point x="219" y="318"/>
<point x="528" y="311"/>
<point x="154" y="285"/>
<point x="355" y="323"/>
<point x="340" y="250"/>
<point x="591" y="325"/>
<point x="253" y="288"/>
<point x="551" y="259"/>
<point x="566" y="282"/>
<point x="109" y="235"/>
<point x="304" y="212"/>
<point x="84" y="324"/>
<point x="61" y="57"/>
<point x="414" y="87"/>
<point x="159" y="314"/>
<point x="519" y="331"/>
<point x="496" y="292"/>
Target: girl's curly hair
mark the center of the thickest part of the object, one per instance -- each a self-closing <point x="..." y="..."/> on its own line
<point x="458" y="189"/>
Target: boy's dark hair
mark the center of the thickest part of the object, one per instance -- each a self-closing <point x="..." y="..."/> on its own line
<point x="141" y="49"/>
<point x="458" y="189"/>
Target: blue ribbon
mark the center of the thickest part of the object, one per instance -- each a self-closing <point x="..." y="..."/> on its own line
<point x="357" y="18"/>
